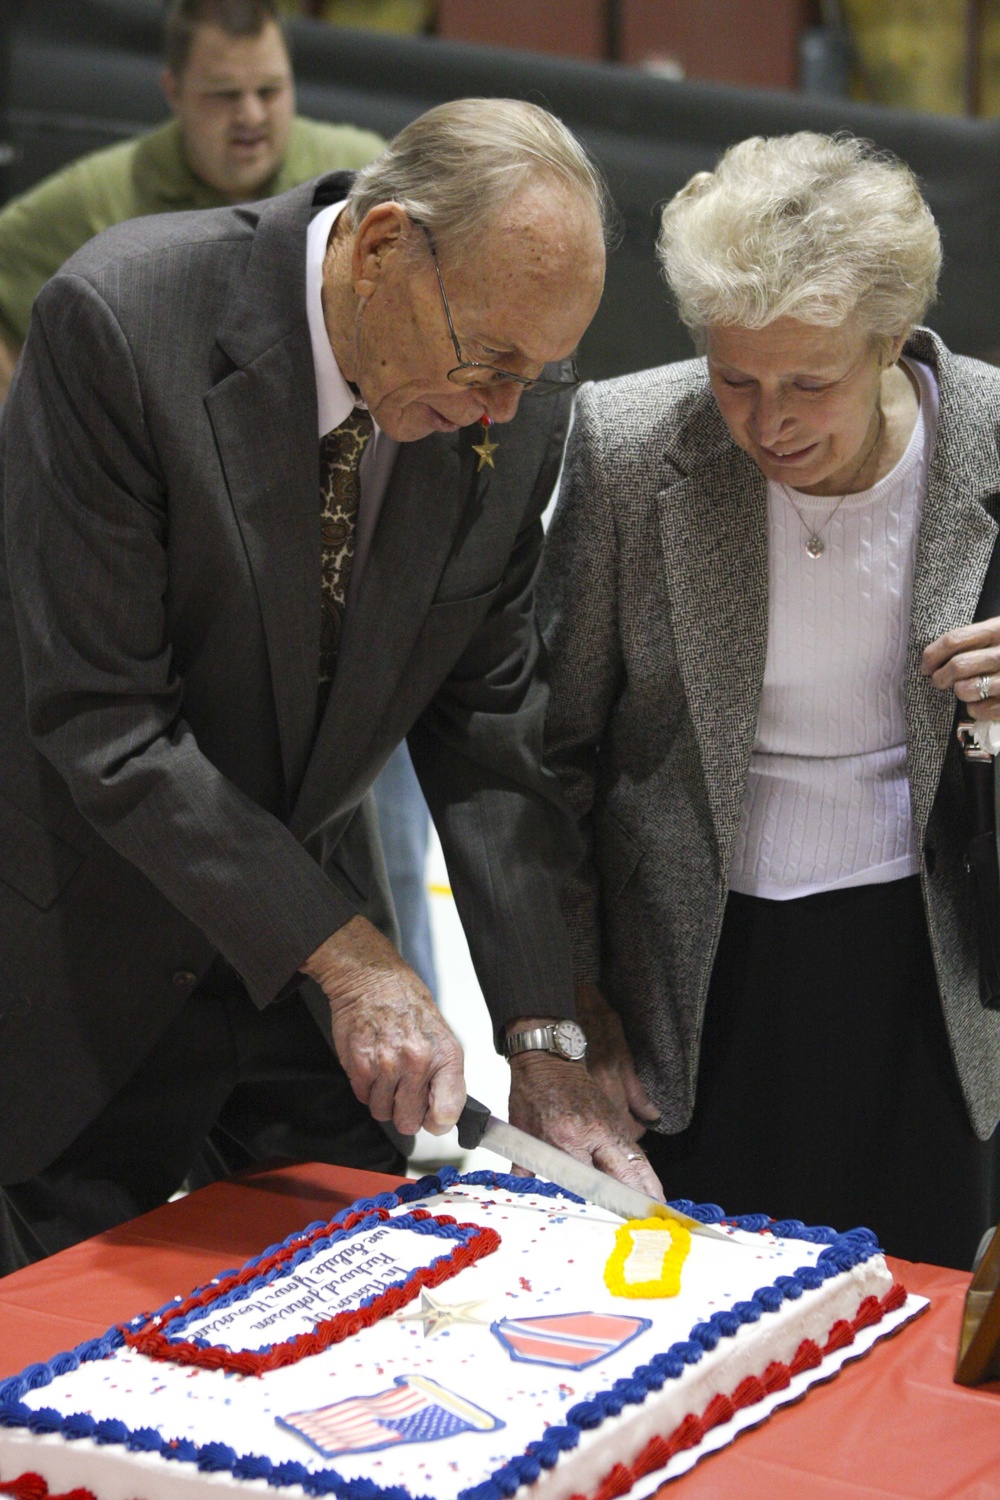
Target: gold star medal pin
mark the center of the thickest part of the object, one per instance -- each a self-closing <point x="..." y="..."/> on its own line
<point x="487" y="447"/>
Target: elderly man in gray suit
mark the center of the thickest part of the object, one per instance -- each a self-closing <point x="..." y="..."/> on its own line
<point x="207" y="656"/>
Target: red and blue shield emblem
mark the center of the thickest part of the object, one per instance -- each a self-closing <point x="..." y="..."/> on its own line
<point x="570" y="1340"/>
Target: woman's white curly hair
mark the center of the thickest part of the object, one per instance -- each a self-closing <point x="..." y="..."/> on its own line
<point x="814" y="227"/>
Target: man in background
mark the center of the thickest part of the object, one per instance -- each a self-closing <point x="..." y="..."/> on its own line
<point x="234" y="137"/>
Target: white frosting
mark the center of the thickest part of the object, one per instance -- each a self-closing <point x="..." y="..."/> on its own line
<point x="551" y="1261"/>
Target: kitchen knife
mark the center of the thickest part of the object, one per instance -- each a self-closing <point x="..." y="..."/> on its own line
<point x="477" y="1127"/>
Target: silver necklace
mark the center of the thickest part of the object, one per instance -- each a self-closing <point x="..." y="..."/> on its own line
<point x="815" y="544"/>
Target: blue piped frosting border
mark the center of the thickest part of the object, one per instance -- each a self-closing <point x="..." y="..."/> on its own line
<point x="842" y="1253"/>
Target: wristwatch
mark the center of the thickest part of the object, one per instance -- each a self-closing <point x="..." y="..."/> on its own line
<point x="564" y="1038"/>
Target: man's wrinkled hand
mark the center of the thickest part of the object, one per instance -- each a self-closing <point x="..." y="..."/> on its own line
<point x="561" y="1103"/>
<point x="402" y="1060"/>
<point x="609" y="1061"/>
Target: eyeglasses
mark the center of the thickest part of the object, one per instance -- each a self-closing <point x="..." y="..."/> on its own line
<point x="470" y="372"/>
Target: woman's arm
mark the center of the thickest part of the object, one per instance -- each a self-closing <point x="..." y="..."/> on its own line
<point x="578" y="610"/>
<point x="578" y="614"/>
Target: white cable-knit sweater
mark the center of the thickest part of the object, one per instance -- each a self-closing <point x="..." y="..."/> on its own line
<point x="827" y="801"/>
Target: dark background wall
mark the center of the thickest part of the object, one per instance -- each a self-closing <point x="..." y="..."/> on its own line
<point x="83" y="73"/>
<point x="751" y="42"/>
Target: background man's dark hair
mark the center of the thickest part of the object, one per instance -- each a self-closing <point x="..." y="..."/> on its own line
<point x="235" y="17"/>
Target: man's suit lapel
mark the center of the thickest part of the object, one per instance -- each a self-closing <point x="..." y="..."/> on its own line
<point x="956" y="541"/>
<point x="270" y="456"/>
<point x="263" y="415"/>
<point x="713" y="523"/>
<point x="420" y="514"/>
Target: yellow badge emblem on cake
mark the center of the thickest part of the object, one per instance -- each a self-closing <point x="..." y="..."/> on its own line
<point x="647" y="1259"/>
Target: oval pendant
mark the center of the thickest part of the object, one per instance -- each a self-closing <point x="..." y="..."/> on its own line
<point x="815" y="547"/>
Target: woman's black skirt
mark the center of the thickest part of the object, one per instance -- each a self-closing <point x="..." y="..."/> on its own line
<point x="827" y="1090"/>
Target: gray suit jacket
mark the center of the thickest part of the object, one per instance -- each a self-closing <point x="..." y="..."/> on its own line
<point x="654" y="606"/>
<point x="163" y="796"/>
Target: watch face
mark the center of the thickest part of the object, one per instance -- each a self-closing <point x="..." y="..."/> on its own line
<point x="570" y="1040"/>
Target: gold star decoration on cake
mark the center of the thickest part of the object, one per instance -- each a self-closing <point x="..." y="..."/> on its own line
<point x="486" y="450"/>
<point x="438" y="1316"/>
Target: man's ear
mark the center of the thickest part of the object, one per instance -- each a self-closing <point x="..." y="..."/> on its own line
<point x="378" y="240"/>
<point x="170" y="87"/>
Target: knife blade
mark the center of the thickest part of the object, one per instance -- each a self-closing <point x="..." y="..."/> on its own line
<point x="477" y="1127"/>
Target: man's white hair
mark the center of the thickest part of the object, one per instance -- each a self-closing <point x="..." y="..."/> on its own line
<point x="814" y="227"/>
<point x="455" y="168"/>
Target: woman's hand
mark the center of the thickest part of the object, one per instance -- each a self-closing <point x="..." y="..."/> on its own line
<point x="966" y="661"/>
<point x="609" y="1061"/>
<point x="561" y="1102"/>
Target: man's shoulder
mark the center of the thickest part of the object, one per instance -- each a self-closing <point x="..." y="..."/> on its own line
<point x="316" y="147"/>
<point x="88" y="195"/>
<point x="150" y="260"/>
<point x="96" y="189"/>
<point x="207" y="228"/>
<point x="241" y="267"/>
<point x="41" y="228"/>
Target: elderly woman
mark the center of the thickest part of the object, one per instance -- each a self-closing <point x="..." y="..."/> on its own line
<point x="753" y="594"/>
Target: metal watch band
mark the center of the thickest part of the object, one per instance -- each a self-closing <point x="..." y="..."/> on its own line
<point x="537" y="1039"/>
<point x="562" y="1038"/>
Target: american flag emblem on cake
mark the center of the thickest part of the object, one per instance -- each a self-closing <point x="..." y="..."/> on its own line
<point x="572" y="1340"/>
<point x="415" y="1409"/>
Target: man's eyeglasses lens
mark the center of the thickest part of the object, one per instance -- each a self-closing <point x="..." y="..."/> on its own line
<point x="486" y="375"/>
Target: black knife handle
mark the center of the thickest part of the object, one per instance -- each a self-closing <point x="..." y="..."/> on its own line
<point x="472" y="1122"/>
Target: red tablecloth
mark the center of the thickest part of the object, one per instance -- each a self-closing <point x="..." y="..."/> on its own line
<point x="891" y="1425"/>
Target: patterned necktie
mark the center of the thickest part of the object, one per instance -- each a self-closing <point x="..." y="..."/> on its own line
<point x="339" y="488"/>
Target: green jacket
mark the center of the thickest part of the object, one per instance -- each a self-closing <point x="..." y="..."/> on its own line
<point x="148" y="175"/>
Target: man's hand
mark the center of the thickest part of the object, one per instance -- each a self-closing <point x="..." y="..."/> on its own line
<point x="402" y="1060"/>
<point x="560" y="1102"/>
<point x="609" y="1061"/>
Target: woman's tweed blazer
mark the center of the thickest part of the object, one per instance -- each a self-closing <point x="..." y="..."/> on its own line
<point x="654" y="605"/>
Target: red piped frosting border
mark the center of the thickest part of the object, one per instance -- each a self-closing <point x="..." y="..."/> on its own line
<point x="691" y="1431"/>
<point x="153" y="1339"/>
<point x="33" y="1487"/>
